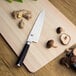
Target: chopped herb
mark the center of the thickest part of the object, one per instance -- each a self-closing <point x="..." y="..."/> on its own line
<point x="10" y="1"/>
<point x="19" y="0"/>
<point x="14" y="0"/>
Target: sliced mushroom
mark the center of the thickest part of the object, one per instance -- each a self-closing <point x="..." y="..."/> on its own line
<point x="50" y="44"/>
<point x="65" y="38"/>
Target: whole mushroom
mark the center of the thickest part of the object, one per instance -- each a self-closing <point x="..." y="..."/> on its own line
<point x="50" y="44"/>
<point x="59" y="30"/>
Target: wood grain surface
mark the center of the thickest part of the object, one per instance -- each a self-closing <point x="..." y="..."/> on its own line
<point x="38" y="55"/>
<point x="7" y="58"/>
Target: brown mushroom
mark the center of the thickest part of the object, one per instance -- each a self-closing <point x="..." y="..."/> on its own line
<point x="65" y="61"/>
<point x="50" y="44"/>
<point x="68" y="52"/>
<point x="59" y="30"/>
<point x="65" y="38"/>
<point x="73" y="59"/>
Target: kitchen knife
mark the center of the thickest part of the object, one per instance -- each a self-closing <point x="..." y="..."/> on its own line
<point x="33" y="37"/>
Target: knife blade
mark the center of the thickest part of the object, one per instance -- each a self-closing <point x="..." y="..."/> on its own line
<point x="33" y="37"/>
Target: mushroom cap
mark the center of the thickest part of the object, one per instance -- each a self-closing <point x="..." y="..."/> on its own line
<point x="59" y="30"/>
<point x="50" y="43"/>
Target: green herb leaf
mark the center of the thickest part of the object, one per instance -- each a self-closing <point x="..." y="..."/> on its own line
<point x="16" y="0"/>
<point x="19" y="0"/>
<point x="10" y="1"/>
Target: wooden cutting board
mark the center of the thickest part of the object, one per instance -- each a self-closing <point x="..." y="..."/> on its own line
<point x="38" y="55"/>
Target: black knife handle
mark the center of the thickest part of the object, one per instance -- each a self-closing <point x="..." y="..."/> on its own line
<point x="23" y="54"/>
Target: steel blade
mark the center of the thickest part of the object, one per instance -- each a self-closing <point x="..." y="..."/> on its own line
<point x="35" y="33"/>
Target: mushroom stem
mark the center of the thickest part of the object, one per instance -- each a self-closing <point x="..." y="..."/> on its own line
<point x="54" y="46"/>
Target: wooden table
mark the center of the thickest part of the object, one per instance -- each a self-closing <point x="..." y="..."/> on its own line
<point x="8" y="58"/>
